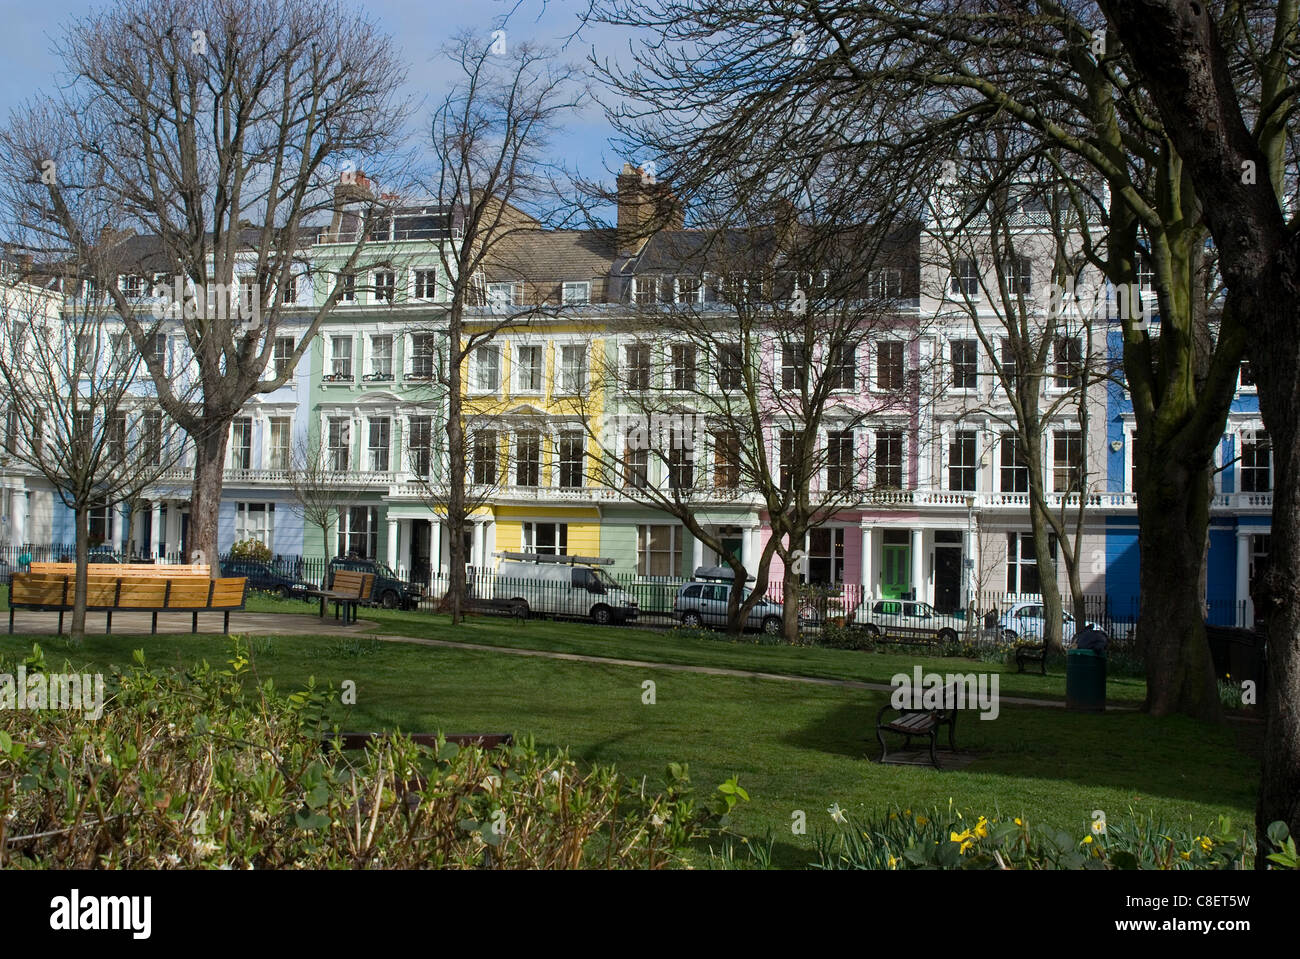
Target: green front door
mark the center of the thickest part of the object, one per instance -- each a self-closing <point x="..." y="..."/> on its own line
<point x="896" y="571"/>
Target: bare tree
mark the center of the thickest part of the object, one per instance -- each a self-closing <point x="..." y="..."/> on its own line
<point x="218" y="128"/>
<point x="490" y="139"/>
<point x="322" y="487"/>
<point x="80" y="406"/>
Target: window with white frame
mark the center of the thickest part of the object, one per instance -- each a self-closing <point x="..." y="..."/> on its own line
<point x="381" y="357"/>
<point x="885" y="283"/>
<point x="484" y="458"/>
<point x="501" y="294"/>
<point x="1246" y="377"/>
<point x="726" y="459"/>
<point x="636" y="460"/>
<point x="573" y="369"/>
<point x="528" y="458"/>
<point x="487" y="369"/>
<point x="840" y="472"/>
<point x="889" y="459"/>
<point x="1067" y="461"/>
<point x="289" y="289"/>
<point x="681" y="467"/>
<point x="339" y="442"/>
<point x="284" y="347"/>
<point x="341" y="358"/>
<point x="422" y="356"/>
<point x="794" y="366"/>
<point x="572" y="456"/>
<point x="890" y="367"/>
<point x="842" y="367"/>
<point x="133" y="287"/>
<point x="789" y="442"/>
<point x="255" y="521"/>
<point x="636" y="367"/>
<point x="1256" y="462"/>
<point x="385" y="286"/>
<point x="645" y="289"/>
<point x="825" y="556"/>
<point x="1013" y="467"/>
<point x="963" y="468"/>
<point x="528" y="369"/>
<point x="964" y="356"/>
<point x="1067" y="355"/>
<point x="658" y="550"/>
<point x="731" y="366"/>
<point x="683" y="366"/>
<point x="965" y="278"/>
<point x="281" y="443"/>
<point x="359" y="532"/>
<point x="549" y="538"/>
<point x="241" y="443"/>
<point x="1018" y="273"/>
<point x="576" y="294"/>
<point x="1023" y="574"/>
<point x="426" y="284"/>
<point x="419" y="445"/>
<point x="349" y="291"/>
<point x="690" y="289"/>
<point x="380" y="440"/>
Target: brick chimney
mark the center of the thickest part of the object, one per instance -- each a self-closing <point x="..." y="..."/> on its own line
<point x="353" y="187"/>
<point x="644" y="208"/>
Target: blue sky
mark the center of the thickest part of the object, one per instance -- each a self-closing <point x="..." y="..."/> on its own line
<point x="419" y="29"/>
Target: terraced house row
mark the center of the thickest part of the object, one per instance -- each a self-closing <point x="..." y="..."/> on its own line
<point x="938" y="502"/>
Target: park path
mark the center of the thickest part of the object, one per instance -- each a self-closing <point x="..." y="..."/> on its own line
<point x="685" y="668"/>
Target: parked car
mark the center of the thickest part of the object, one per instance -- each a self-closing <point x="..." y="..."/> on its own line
<point x="391" y="591"/>
<point x="705" y="604"/>
<point x="1025" y="621"/>
<point x="564" y="589"/>
<point x="263" y="576"/>
<point x="905" y="619"/>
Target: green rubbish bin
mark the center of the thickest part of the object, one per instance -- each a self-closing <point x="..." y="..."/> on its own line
<point x="1085" y="680"/>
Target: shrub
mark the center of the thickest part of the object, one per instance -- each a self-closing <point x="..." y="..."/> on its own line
<point x="251" y="549"/>
<point x="946" y="839"/>
<point x="208" y="768"/>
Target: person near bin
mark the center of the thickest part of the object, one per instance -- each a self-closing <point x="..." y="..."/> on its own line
<point x="1091" y="638"/>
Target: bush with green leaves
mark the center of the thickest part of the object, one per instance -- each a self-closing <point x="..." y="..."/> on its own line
<point x="209" y="768"/>
<point x="251" y="549"/>
<point x="947" y="839"/>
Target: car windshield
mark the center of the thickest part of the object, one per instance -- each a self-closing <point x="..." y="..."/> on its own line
<point x="602" y="577"/>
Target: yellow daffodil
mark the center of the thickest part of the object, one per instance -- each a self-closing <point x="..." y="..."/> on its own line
<point x="1018" y="822"/>
<point x="1086" y="840"/>
<point x="1186" y="855"/>
<point x="893" y="862"/>
<point x="1206" y="844"/>
<point x="982" y="828"/>
<point x="921" y="820"/>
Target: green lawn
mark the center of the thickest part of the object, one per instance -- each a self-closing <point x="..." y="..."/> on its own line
<point x="794" y="746"/>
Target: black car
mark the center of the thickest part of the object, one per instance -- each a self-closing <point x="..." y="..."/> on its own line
<point x="262" y="576"/>
<point x="390" y="591"/>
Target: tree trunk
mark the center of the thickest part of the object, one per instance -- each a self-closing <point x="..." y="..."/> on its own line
<point x="325" y="552"/>
<point x="457" y="476"/>
<point x="82" y="524"/>
<point x="1048" y="586"/>
<point x="1278" y="601"/>
<point x="205" y="499"/>
<point x="1173" y="521"/>
<point x="790" y="601"/>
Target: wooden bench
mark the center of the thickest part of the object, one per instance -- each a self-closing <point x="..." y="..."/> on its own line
<point x="1031" y="654"/>
<point x="115" y="570"/>
<point x="50" y="592"/>
<point x="920" y="722"/>
<point x="347" y="589"/>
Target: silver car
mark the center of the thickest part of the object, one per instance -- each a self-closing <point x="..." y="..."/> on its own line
<point x="705" y="604"/>
<point x="1025" y="621"/>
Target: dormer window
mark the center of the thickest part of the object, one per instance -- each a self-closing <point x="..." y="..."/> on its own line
<point x="576" y="294"/>
<point x="690" y="289"/>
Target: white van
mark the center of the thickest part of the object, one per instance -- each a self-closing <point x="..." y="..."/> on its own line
<point x="564" y="589"/>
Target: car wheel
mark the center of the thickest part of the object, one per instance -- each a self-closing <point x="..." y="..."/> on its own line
<point x="519" y="608"/>
<point x="1008" y="635"/>
<point x="873" y="631"/>
<point x="602" y="616"/>
<point x="947" y="636"/>
<point x="772" y="626"/>
<point x="283" y="591"/>
<point x="692" y="620"/>
<point x="388" y="600"/>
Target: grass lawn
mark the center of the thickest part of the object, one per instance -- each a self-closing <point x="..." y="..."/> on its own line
<point x="794" y="746"/>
